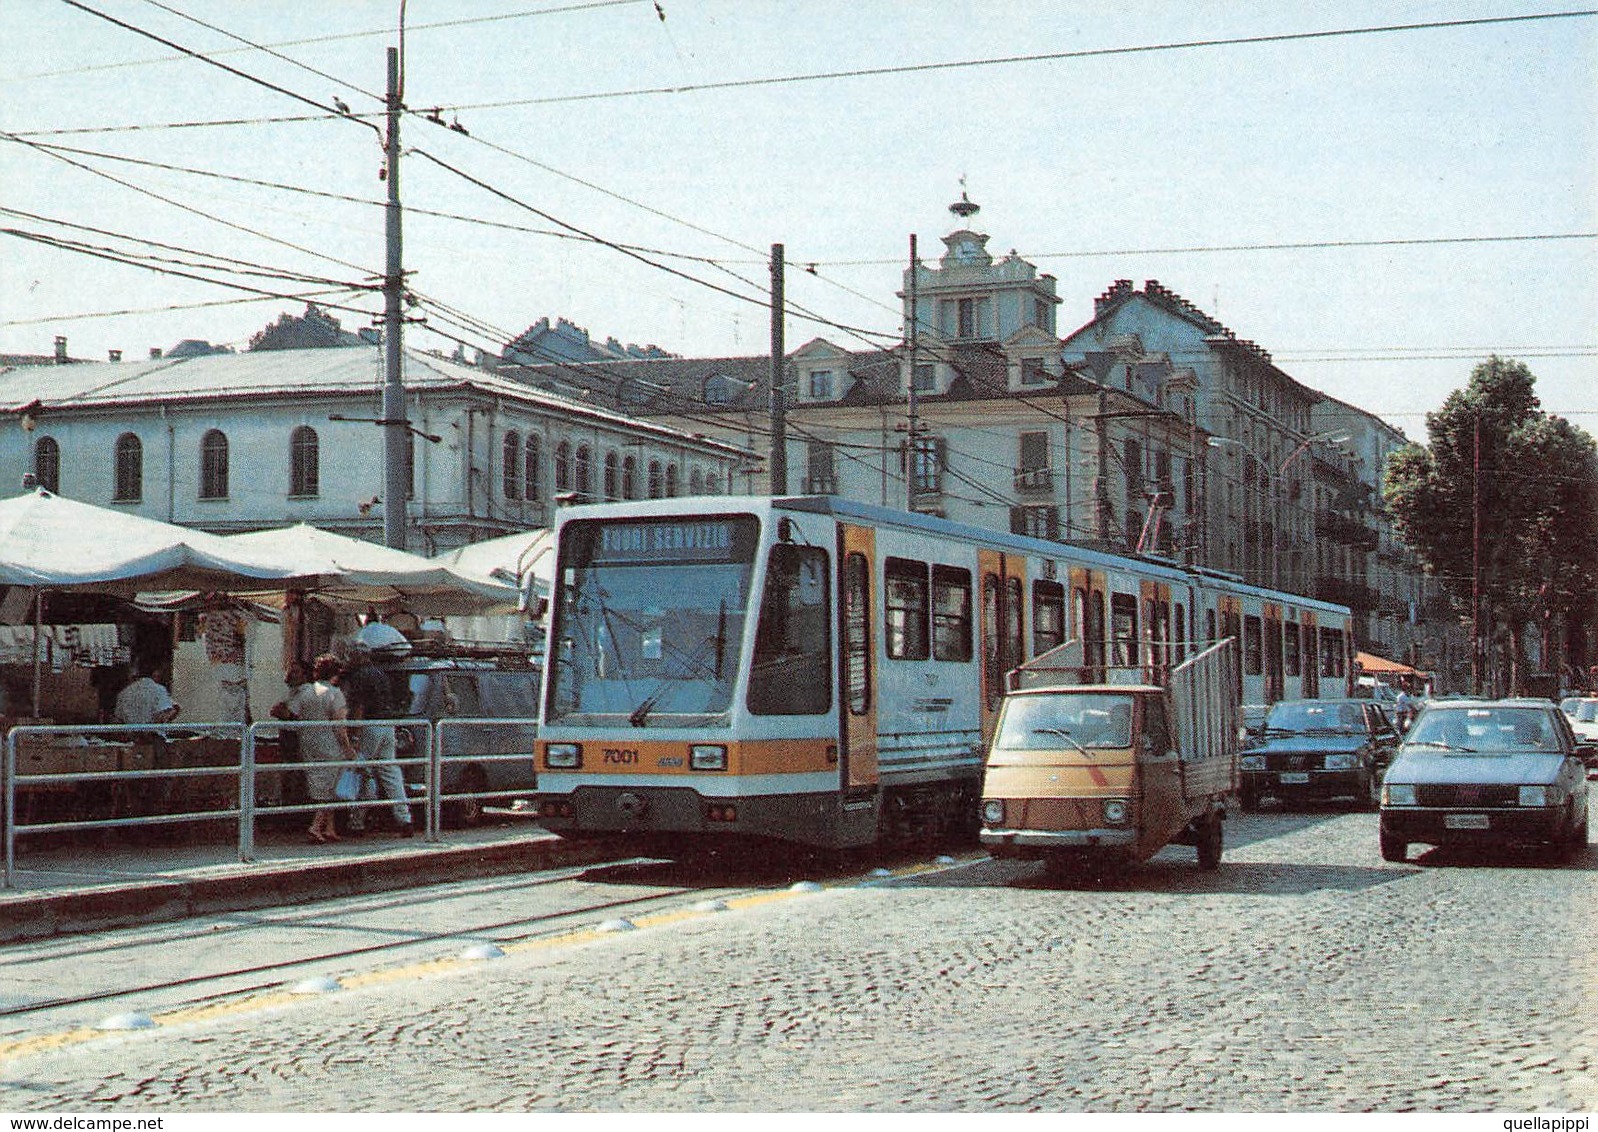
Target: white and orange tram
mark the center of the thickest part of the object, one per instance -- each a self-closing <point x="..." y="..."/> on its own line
<point x="818" y="671"/>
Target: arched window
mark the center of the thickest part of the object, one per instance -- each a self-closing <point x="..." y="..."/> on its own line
<point x="585" y="472"/>
<point x="129" y="469"/>
<point x="47" y="463"/>
<point x="510" y="465"/>
<point x="532" y="477"/>
<point x="671" y="480"/>
<point x="213" y="465"/>
<point x="612" y="476"/>
<point x="563" y="466"/>
<point x="305" y="462"/>
<point x="629" y="478"/>
<point x="696" y="482"/>
<point x="656" y="482"/>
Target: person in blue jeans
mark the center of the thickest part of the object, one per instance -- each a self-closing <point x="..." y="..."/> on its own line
<point x="367" y="687"/>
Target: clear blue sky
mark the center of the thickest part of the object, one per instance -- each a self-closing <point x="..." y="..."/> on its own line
<point x="1095" y="164"/>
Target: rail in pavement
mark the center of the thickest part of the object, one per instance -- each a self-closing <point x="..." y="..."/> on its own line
<point x="118" y="884"/>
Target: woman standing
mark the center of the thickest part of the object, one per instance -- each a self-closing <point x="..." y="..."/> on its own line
<point x="322" y="749"/>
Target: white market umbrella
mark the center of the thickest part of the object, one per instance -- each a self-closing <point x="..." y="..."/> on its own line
<point x="49" y="542"/>
<point x="358" y="571"/>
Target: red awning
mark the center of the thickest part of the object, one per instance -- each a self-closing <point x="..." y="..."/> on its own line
<point x="1374" y="665"/>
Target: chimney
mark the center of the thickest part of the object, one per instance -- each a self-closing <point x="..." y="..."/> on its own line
<point x="116" y="355"/>
<point x="60" y="349"/>
<point x="155" y="351"/>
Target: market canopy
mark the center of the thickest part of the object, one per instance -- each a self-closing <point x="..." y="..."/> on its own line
<point x="47" y="541"/>
<point x="525" y="559"/>
<point x="358" y="571"/>
<point x="1373" y="665"/>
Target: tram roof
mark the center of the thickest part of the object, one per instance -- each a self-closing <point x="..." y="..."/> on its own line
<point x="875" y="515"/>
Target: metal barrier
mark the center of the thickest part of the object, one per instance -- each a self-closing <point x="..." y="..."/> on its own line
<point x="65" y="757"/>
<point x="466" y="772"/>
<point x="455" y="768"/>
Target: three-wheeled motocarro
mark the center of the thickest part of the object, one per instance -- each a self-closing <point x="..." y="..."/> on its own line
<point x="1093" y="766"/>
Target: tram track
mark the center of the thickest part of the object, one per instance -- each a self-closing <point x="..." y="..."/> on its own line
<point x="571" y="914"/>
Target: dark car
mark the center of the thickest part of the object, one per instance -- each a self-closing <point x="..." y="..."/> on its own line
<point x="491" y="758"/>
<point x="1498" y="771"/>
<point x="1319" y="749"/>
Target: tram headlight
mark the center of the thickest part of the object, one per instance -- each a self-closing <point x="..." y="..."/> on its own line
<point x="563" y="756"/>
<point x="707" y="756"/>
<point x="1115" y="812"/>
<point x="993" y="811"/>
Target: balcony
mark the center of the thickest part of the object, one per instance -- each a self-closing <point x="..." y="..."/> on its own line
<point x="1356" y="595"/>
<point x="1035" y="481"/>
<point x="1349" y="532"/>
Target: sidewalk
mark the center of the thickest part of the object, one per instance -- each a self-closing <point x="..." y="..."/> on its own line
<point x="90" y="887"/>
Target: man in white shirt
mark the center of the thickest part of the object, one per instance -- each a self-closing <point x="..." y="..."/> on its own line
<point x="145" y="701"/>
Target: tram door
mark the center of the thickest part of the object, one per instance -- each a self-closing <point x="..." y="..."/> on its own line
<point x="857" y="670"/>
<point x="1160" y="647"/>
<point x="1002" y="630"/>
<point x="1274" y="681"/>
<point x="1087" y="616"/>
<point x="1312" y="657"/>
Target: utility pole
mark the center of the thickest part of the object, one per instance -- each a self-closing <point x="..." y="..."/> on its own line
<point x="1476" y="665"/>
<point x="1101" y="487"/>
<point x="779" y="415"/>
<point x="912" y="449"/>
<point x="396" y="429"/>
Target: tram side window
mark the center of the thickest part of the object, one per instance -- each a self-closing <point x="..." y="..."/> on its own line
<point x="857" y="632"/>
<point x="905" y="609"/>
<point x="951" y="613"/>
<point x="1253" y="642"/>
<point x="1181" y="634"/>
<point x="1123" y="631"/>
<point x="791" y="670"/>
<point x="1048" y="616"/>
<point x="1291" y="646"/>
<point x="1210" y="639"/>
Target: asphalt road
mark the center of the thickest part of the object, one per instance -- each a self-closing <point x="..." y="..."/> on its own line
<point x="1304" y="975"/>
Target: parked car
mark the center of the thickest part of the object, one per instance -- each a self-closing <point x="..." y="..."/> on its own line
<point x="1319" y="749"/>
<point x="1568" y="705"/>
<point x="464" y="687"/>
<point x="1491" y="771"/>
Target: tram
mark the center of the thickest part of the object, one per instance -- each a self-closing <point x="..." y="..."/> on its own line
<point x="824" y="672"/>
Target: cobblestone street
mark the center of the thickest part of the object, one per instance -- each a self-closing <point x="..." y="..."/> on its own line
<point x="1305" y="975"/>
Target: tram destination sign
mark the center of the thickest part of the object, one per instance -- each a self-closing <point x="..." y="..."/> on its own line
<point x="721" y="539"/>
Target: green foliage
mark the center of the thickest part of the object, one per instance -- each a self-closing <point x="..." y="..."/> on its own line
<point x="1503" y="496"/>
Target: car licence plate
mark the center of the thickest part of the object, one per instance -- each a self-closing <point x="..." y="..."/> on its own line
<point x="1294" y="778"/>
<point x="1465" y="821"/>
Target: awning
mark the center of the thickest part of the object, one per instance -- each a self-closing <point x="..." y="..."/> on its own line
<point x="1373" y="665"/>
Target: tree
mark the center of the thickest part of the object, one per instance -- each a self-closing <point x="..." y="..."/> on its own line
<point x="1503" y="503"/>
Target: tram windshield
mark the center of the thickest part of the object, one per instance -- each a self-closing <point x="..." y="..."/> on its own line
<point x="649" y="620"/>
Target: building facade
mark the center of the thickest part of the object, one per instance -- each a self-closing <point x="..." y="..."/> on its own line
<point x="238" y="442"/>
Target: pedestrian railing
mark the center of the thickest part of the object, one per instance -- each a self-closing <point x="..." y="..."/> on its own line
<point x="65" y="779"/>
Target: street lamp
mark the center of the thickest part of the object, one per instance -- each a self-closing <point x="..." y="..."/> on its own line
<point x="1328" y="437"/>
